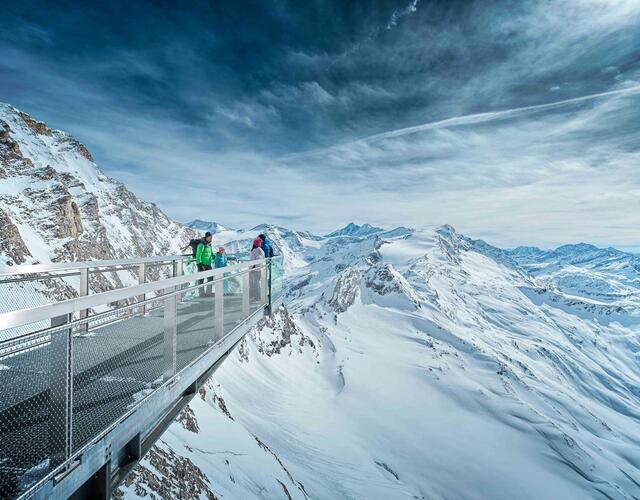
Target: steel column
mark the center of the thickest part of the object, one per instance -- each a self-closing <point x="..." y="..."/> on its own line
<point x="218" y="317"/>
<point x="263" y="282"/>
<point x="142" y="268"/>
<point x="269" y="301"/>
<point x="61" y="391"/>
<point x="84" y="291"/>
<point x="170" y="333"/>
<point x="246" y="297"/>
<point x="177" y="268"/>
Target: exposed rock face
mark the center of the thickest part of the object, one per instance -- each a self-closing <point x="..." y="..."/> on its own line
<point x="70" y="225"/>
<point x="51" y="188"/>
<point x="188" y="420"/>
<point x="275" y="333"/>
<point x="164" y="474"/>
<point x="345" y="290"/>
<point x="11" y="244"/>
<point x="385" y="279"/>
<point x="37" y="127"/>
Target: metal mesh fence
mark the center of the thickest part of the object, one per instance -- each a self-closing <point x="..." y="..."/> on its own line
<point x="31" y="441"/>
<point x="65" y="385"/>
<point x="233" y="290"/>
<point x="16" y="295"/>
<point x="30" y="290"/>
<point x="195" y="324"/>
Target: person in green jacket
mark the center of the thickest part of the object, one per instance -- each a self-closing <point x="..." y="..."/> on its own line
<point x="204" y="255"/>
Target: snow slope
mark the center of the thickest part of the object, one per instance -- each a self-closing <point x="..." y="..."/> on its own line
<point x="407" y="364"/>
<point x="421" y="365"/>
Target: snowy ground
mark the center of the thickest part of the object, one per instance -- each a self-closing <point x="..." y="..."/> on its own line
<point x="414" y="365"/>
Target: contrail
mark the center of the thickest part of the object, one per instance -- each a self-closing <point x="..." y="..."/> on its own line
<point x="468" y="120"/>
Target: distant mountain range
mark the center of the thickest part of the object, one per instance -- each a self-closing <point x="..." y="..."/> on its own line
<point x="406" y="363"/>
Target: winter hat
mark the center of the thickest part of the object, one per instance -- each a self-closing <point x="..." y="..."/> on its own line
<point x="221" y="249"/>
<point x="257" y="243"/>
<point x="207" y="234"/>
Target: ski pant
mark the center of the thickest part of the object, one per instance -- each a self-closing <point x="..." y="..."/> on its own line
<point x="205" y="290"/>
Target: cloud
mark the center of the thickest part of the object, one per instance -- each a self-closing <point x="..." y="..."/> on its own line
<point x="397" y="14"/>
<point x="513" y="120"/>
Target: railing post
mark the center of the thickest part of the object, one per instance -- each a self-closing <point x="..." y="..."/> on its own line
<point x="142" y="268"/>
<point x="83" y="292"/>
<point x="61" y="391"/>
<point x="170" y="333"/>
<point x="263" y="282"/>
<point x="177" y="268"/>
<point x="246" y="298"/>
<point x="218" y="318"/>
<point x="269" y="301"/>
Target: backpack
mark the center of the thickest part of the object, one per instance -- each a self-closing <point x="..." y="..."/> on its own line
<point x="194" y="246"/>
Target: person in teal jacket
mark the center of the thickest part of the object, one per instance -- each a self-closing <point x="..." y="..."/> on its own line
<point x="220" y="259"/>
<point x="204" y="255"/>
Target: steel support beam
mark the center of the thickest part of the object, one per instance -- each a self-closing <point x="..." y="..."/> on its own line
<point x="83" y="292"/>
<point x="218" y="316"/>
<point x="60" y="391"/>
<point x="246" y="296"/>
<point x="170" y="334"/>
<point x="263" y="282"/>
<point x="142" y="271"/>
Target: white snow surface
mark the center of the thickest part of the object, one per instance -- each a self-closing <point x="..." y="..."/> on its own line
<point x="407" y="364"/>
<point x="422" y="366"/>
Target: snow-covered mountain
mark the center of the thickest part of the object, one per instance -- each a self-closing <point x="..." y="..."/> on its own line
<point x="416" y="365"/>
<point x="406" y="364"/>
<point x="604" y="278"/>
<point x="204" y="226"/>
<point x="57" y="205"/>
<point x="353" y="229"/>
<point x="607" y="274"/>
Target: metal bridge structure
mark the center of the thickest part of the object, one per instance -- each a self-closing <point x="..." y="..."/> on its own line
<point x="89" y="383"/>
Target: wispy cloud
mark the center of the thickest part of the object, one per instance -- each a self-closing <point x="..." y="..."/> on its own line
<point x="513" y="120"/>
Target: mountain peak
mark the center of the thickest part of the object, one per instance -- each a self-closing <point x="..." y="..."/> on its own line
<point x="353" y="229"/>
<point x="210" y="226"/>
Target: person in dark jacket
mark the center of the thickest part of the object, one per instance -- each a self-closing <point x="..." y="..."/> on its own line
<point x="204" y="256"/>
<point x="266" y="246"/>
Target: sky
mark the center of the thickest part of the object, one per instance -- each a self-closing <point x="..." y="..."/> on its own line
<point x="516" y="122"/>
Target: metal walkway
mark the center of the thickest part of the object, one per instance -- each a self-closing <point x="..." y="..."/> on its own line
<point x="83" y="399"/>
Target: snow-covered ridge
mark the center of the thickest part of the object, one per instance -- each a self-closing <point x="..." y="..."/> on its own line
<point x="57" y="205"/>
<point x="602" y="277"/>
<point x="406" y="364"/>
<point x="403" y="359"/>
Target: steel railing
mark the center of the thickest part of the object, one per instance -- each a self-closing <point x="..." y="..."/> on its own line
<point x="66" y="384"/>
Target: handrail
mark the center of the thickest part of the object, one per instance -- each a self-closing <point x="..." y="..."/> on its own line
<point x="89" y="264"/>
<point x="38" y="313"/>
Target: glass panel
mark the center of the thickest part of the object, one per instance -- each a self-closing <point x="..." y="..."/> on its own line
<point x="277" y="278"/>
<point x="27" y="447"/>
<point x="257" y="288"/>
<point x="233" y="289"/>
<point x="195" y="324"/>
